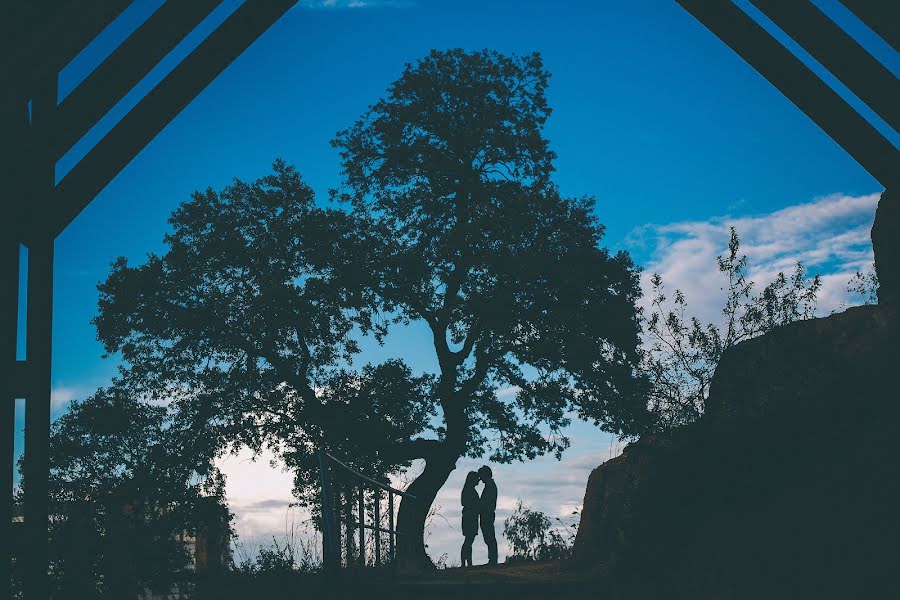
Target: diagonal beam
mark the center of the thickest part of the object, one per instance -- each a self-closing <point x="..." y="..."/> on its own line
<point x="160" y="106"/>
<point x="839" y="53"/>
<point x="122" y="69"/>
<point x="61" y="31"/>
<point x="800" y="85"/>
<point x="881" y="16"/>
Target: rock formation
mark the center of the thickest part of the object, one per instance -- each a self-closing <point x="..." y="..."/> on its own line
<point x="788" y="487"/>
<point x="886" y="241"/>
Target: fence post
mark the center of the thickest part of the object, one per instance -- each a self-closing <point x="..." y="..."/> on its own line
<point x="377" y="530"/>
<point x="333" y="519"/>
<point x="348" y="522"/>
<point x="362" y="528"/>
<point x="391" y="535"/>
<point x="336" y="515"/>
<point x="329" y="554"/>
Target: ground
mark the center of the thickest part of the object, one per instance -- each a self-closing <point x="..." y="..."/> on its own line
<point x="528" y="580"/>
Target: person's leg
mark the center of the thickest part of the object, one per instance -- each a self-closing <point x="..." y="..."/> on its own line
<point x="490" y="537"/>
<point x="466" y="551"/>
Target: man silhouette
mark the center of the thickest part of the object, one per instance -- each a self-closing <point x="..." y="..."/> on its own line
<point x="488" y="512"/>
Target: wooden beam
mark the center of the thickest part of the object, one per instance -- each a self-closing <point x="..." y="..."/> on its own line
<point x="839" y="53"/>
<point x="9" y="300"/>
<point x="38" y="354"/>
<point x="36" y="460"/>
<point x="160" y="106"/>
<point x="881" y="16"/>
<point x="20" y="375"/>
<point x="125" y="67"/>
<point x="800" y="85"/>
<point x="58" y="32"/>
<point x="15" y="209"/>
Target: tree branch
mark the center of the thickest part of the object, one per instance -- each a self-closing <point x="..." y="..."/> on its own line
<point x="416" y="448"/>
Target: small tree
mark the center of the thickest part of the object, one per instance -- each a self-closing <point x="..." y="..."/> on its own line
<point x="682" y="352"/>
<point x="533" y="536"/>
<point x="863" y="286"/>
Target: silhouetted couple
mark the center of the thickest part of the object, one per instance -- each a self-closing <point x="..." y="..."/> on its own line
<point x="475" y="509"/>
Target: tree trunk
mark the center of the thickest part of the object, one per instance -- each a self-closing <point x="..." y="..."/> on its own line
<point x="411" y="516"/>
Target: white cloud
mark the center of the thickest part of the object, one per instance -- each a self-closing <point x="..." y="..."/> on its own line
<point x="351" y="4"/>
<point x="62" y="395"/>
<point x="259" y="495"/>
<point x="829" y="235"/>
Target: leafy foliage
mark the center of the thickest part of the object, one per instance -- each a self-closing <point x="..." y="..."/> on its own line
<point x="864" y="286"/>
<point x="533" y="536"/>
<point x="124" y="491"/>
<point x="247" y="326"/>
<point x="682" y="352"/>
<point x="272" y="559"/>
<point x="242" y="325"/>
<point x="450" y="173"/>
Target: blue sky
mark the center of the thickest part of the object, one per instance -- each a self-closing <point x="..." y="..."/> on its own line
<point x="673" y="133"/>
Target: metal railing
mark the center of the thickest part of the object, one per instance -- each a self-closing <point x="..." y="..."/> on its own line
<point x="343" y="490"/>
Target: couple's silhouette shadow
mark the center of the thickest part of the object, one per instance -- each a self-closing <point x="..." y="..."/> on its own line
<point x="479" y="510"/>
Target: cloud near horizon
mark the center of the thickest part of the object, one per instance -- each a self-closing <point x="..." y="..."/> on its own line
<point x="829" y="236"/>
<point x="352" y="4"/>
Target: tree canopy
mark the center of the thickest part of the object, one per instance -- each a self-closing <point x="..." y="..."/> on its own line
<point x="247" y="326"/>
<point x="451" y="174"/>
<point x="531" y="320"/>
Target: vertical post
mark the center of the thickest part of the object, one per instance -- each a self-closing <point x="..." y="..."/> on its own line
<point x="37" y="417"/>
<point x="14" y="227"/>
<point x="377" y="530"/>
<point x="391" y="547"/>
<point x="9" y="304"/>
<point x="336" y="516"/>
<point x="362" y="527"/>
<point x="348" y="522"/>
<point x="38" y="348"/>
<point x="328" y="525"/>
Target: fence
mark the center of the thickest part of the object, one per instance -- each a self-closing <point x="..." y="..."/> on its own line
<point x="340" y="481"/>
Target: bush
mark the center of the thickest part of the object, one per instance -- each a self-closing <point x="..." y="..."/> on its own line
<point x="534" y="537"/>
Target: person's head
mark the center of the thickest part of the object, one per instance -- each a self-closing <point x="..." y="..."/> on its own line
<point x="471" y="479"/>
<point x="485" y="473"/>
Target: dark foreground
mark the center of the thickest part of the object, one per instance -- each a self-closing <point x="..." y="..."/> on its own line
<point x="533" y="580"/>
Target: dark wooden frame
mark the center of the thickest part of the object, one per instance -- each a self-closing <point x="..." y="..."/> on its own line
<point x="39" y="37"/>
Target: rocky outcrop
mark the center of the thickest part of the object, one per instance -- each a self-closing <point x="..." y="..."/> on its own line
<point x="786" y="488"/>
<point x="886" y="242"/>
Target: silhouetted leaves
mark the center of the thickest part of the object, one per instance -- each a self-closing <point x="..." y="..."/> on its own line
<point x="533" y="536"/>
<point x="125" y="488"/>
<point x="450" y="172"/>
<point x="245" y="327"/>
<point x="682" y="352"/>
<point x="242" y="325"/>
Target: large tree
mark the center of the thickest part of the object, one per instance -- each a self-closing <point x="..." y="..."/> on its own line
<point x="247" y="325"/>
<point x="450" y="175"/>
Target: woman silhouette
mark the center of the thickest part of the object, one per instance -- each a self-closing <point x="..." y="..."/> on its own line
<point x="470" y="509"/>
